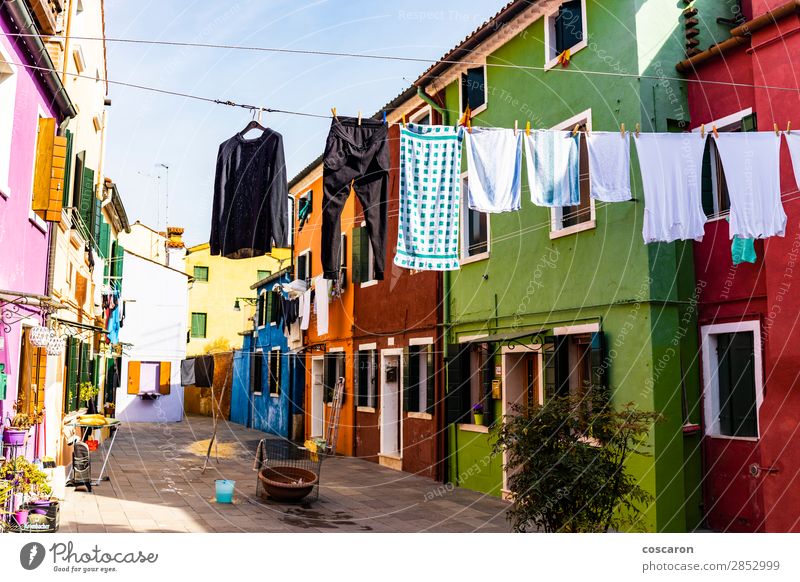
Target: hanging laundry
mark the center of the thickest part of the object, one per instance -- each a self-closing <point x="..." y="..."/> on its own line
<point x="321" y="304"/>
<point x="357" y="155"/>
<point x="290" y="313"/>
<point x="793" y="141"/>
<point x="204" y="371"/>
<point x="275" y="307"/>
<point x="609" y="165"/>
<point x="671" y="166"/>
<point x="552" y="159"/>
<point x="250" y="209"/>
<point x="430" y="198"/>
<point x="187" y="372"/>
<point x="751" y="162"/>
<point x="305" y="310"/>
<point x="494" y="169"/>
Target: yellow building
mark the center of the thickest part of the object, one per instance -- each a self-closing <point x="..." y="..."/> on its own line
<point x="220" y="298"/>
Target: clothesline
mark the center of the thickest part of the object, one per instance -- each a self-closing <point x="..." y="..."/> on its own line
<point x="345" y="54"/>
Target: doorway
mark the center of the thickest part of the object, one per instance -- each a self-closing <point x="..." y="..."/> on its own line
<point x="317" y="389"/>
<point x="390" y="410"/>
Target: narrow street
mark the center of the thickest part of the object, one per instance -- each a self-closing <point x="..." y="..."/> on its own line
<point x="157" y="486"/>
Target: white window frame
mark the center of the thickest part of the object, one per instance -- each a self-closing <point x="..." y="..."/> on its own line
<point x="308" y="274"/>
<point x="463" y="244"/>
<point x="370" y="347"/>
<point x="261" y="304"/>
<point x="259" y="391"/>
<point x="557" y="230"/>
<point x="269" y="373"/>
<point x="291" y="224"/>
<point x="711" y="381"/>
<point x="425" y="111"/>
<point x="371" y="280"/>
<point x="721" y="123"/>
<point x="550" y="58"/>
<point x="8" y="97"/>
<point x="483" y="107"/>
<point x="421" y="342"/>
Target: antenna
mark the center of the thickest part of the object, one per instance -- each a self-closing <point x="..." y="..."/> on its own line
<point x="166" y="209"/>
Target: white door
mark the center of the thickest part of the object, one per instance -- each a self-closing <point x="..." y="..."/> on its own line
<point x="391" y="382"/>
<point x="317" y="389"/>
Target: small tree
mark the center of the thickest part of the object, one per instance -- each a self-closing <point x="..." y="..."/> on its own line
<point x="566" y="464"/>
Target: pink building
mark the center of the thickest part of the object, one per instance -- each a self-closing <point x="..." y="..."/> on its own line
<point x="26" y="95"/>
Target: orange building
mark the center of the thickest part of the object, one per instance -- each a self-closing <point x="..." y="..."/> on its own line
<point x="329" y="355"/>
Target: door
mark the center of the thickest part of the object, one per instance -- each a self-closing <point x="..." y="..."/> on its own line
<point x="317" y="404"/>
<point x="390" y="405"/>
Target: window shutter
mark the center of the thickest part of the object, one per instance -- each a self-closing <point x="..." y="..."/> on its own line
<point x="556" y="366"/>
<point x="97" y="220"/>
<point x="77" y="183"/>
<point x="43" y="165"/>
<point x="164" y="377"/>
<point x="85" y="370"/>
<point x="105" y="237"/>
<point x="119" y="255"/>
<point x="457" y="397"/>
<point x="373" y="390"/>
<point x="73" y="371"/>
<point x="38" y="378"/>
<point x="358" y="274"/>
<point x="487" y="375"/>
<point x="133" y="377"/>
<point x="430" y="403"/>
<point x="750" y="122"/>
<point x="70" y="137"/>
<point x="86" y="208"/>
<point x="597" y="356"/>
<point x="408" y="379"/>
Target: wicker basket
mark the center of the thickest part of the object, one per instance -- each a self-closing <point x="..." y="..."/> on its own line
<point x="287" y="483"/>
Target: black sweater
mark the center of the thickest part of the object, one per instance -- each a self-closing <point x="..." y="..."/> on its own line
<point x="250" y="197"/>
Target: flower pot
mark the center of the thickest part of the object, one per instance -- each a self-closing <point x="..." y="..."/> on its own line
<point x="478" y="418"/>
<point x="14" y="436"/>
<point x="21" y="516"/>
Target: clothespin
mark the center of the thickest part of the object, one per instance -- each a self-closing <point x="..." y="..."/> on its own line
<point x="788" y="127"/>
<point x="469" y="125"/>
<point x="622" y="129"/>
<point x="638" y="128"/>
<point x="714" y="130"/>
<point x="777" y="131"/>
<point x="404" y="119"/>
<point x="563" y="58"/>
<point x="333" y="110"/>
<point x="527" y="128"/>
<point x="515" y="127"/>
<point x="359" y="117"/>
<point x="384" y="117"/>
<point x="260" y="109"/>
<point x="702" y="130"/>
<point x="575" y="129"/>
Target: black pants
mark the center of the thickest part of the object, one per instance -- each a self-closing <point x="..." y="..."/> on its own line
<point x="358" y="155"/>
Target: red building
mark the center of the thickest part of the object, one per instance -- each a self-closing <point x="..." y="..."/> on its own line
<point x="748" y="313"/>
<point x="396" y="337"/>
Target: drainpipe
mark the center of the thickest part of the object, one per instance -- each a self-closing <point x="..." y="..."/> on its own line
<point x="435" y="106"/>
<point x="66" y="41"/>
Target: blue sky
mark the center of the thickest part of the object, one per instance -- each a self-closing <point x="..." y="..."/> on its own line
<point x="147" y="129"/>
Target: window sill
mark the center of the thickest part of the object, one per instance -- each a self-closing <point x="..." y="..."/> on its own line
<point x="570" y="230"/>
<point x="733" y="438"/>
<point x="368" y="409"/>
<point x="273" y="395"/>
<point x="420" y="415"/>
<point x="475" y="258"/>
<point x="369" y="284"/>
<point x="473" y="428"/>
<point x="40" y="224"/>
<point x="572" y="51"/>
<point x="258" y="393"/>
<point x="480" y="109"/>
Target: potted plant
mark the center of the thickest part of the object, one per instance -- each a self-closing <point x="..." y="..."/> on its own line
<point x="18" y="428"/>
<point x="477" y="413"/>
<point x="87" y="393"/>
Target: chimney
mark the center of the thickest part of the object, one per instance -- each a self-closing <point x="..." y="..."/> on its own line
<point x="175" y="237"/>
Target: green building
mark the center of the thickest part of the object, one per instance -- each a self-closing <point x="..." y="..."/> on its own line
<point x="555" y="300"/>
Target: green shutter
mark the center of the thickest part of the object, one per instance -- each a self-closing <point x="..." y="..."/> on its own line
<point x="487" y="375"/>
<point x="407" y="380"/>
<point x="360" y="255"/>
<point x="97" y="218"/>
<point x="68" y="169"/>
<point x="86" y="208"/>
<point x="457" y="399"/>
<point x="430" y="402"/>
<point x="105" y="238"/>
<point x="749" y="122"/>
<point x="199" y="325"/>
<point x="73" y="370"/>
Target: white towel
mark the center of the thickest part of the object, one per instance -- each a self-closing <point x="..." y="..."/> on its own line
<point x="494" y="169"/>
<point x="321" y="304"/>
<point x="671" y="165"/>
<point x="552" y="159"/>
<point x="305" y="310"/>
<point x="609" y="165"/>
<point x="793" y="141"/>
<point x="751" y="161"/>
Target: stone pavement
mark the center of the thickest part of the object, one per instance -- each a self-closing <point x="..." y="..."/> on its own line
<point x="157" y="486"/>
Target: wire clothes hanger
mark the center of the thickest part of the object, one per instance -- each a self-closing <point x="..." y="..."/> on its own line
<point x="255" y="123"/>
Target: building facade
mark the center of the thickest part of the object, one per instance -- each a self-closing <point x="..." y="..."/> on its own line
<point x="746" y="311"/>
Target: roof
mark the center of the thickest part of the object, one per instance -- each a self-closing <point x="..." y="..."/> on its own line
<point x="197" y="248"/>
<point x="305" y="171"/>
<point x="273" y="277"/>
<point x="138" y="256"/>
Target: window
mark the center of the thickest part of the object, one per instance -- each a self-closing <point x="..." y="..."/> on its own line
<point x="263" y="306"/>
<point x="570" y="219"/>
<point x="304" y="266"/>
<point x="474" y="227"/>
<point x="275" y="372"/>
<point x="8" y="94"/>
<point x="473" y="90"/>
<point x="290" y="235"/>
<point x="343" y="260"/>
<point x="470" y="372"/>
<point x="716" y="201"/>
<point x="145" y="378"/>
<point x="201" y="274"/>
<point x="366" y="378"/>
<point x="304" y="208"/>
<point x="363" y="258"/>
<point x="32" y="373"/>
<point x="419" y="379"/>
<point x="334" y="369"/>
<point x="422" y="117"/>
<point x="256" y="372"/>
<point x="733" y="387"/>
<point x="199" y="325"/>
<point x="262" y="274"/>
<point x="565" y="29"/>
<point x="572" y="367"/>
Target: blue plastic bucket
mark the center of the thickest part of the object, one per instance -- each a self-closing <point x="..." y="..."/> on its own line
<point x="225" y="490"/>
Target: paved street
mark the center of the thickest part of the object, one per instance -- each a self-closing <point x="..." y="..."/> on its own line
<point x="157" y="486"/>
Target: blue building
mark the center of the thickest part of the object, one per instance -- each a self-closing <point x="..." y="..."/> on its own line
<point x="267" y="391"/>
